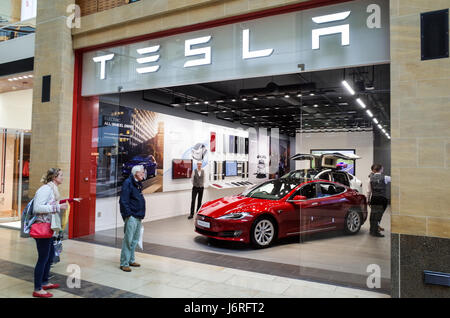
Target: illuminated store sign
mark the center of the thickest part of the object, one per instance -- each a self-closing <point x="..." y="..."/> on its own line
<point x="344" y="35"/>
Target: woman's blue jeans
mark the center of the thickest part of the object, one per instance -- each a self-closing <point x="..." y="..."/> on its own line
<point x="46" y="251"/>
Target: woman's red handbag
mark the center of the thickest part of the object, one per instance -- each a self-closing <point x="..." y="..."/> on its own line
<point x="41" y="230"/>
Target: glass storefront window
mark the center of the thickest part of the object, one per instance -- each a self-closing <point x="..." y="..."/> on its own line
<point x="14" y="173"/>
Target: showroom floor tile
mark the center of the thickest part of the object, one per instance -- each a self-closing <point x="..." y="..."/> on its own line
<point x="158" y="277"/>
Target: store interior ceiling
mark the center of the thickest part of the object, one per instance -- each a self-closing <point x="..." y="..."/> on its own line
<point x="300" y="102"/>
<point x="16" y="82"/>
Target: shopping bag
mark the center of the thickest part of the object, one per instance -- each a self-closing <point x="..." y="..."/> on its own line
<point x="141" y="238"/>
<point x="65" y="218"/>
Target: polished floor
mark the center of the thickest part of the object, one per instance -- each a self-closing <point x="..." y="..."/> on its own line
<point x="158" y="277"/>
<point x="323" y="257"/>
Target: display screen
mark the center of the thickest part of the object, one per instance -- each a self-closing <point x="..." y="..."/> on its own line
<point x="230" y="168"/>
<point x="342" y="164"/>
<point x="181" y="168"/>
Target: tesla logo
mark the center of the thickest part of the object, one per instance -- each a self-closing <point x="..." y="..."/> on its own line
<point x="148" y="59"/>
<point x="343" y="30"/>
<point x="151" y="54"/>
<point x="102" y="60"/>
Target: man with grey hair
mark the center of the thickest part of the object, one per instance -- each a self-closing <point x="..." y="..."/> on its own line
<point x="132" y="209"/>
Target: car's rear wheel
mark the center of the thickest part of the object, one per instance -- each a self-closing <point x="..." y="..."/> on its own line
<point x="263" y="232"/>
<point x="353" y="222"/>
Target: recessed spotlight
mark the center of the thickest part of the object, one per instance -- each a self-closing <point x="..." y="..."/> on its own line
<point x="244" y="99"/>
<point x="369" y="113"/>
<point x="188" y="104"/>
<point x="233" y="100"/>
<point x="375" y="121"/>
<point x="255" y="98"/>
<point x="299" y="95"/>
<point x="206" y="102"/>
<point x="315" y="105"/>
<point x="286" y="96"/>
<point x="197" y="103"/>
<point x="311" y="94"/>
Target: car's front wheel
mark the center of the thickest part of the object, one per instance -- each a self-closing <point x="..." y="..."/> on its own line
<point x="263" y="232"/>
<point x="353" y="222"/>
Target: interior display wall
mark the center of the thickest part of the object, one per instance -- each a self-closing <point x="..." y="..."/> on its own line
<point x="362" y="142"/>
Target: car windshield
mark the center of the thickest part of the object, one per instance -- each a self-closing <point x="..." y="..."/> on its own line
<point x="272" y="190"/>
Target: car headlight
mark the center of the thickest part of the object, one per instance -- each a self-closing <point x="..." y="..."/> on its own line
<point x="234" y="216"/>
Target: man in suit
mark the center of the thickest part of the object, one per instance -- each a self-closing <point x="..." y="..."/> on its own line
<point x="198" y="185"/>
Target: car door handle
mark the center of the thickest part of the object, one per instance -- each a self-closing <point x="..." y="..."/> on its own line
<point x="315" y="203"/>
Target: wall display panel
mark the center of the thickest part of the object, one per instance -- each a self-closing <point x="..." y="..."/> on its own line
<point x="213" y="142"/>
<point x="181" y="168"/>
<point x="231" y="169"/>
<point x="128" y="137"/>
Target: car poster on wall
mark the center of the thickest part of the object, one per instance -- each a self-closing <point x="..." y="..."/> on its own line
<point x="128" y="137"/>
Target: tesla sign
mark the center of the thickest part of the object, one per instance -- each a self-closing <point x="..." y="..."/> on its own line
<point x="343" y="35"/>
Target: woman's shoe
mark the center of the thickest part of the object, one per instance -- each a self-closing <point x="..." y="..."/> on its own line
<point x="50" y="286"/>
<point x="46" y="295"/>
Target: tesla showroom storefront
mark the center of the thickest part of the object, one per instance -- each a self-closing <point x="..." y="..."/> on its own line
<point x="286" y="114"/>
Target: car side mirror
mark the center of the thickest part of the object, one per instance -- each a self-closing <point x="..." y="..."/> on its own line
<point x="297" y="199"/>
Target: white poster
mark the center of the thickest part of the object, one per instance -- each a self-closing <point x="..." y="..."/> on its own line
<point x="29" y="9"/>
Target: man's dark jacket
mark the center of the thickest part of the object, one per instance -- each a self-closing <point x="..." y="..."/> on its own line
<point x="132" y="202"/>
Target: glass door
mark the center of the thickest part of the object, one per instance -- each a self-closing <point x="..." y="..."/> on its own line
<point x="14" y="174"/>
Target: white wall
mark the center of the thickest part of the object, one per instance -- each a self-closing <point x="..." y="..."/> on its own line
<point x="15" y="109"/>
<point x="362" y="142"/>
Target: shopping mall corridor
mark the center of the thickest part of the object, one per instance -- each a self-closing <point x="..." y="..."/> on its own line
<point x="157" y="277"/>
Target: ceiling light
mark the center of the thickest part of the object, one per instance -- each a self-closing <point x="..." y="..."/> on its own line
<point x="220" y="101"/>
<point x="379" y="126"/>
<point x="244" y="99"/>
<point x="312" y="94"/>
<point x="31" y="75"/>
<point x="299" y="95"/>
<point x="255" y="98"/>
<point x="315" y="105"/>
<point x="188" y="104"/>
<point x="206" y="102"/>
<point x="375" y="121"/>
<point x="196" y="103"/>
<point x="384" y="131"/>
<point x="286" y="96"/>
<point x="233" y="100"/>
<point x="369" y="113"/>
<point x="360" y="102"/>
<point x="348" y="87"/>
<point x="10" y="79"/>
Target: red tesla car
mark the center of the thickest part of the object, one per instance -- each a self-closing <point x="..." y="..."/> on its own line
<point x="281" y="208"/>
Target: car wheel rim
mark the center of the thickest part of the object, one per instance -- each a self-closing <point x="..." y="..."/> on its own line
<point x="264" y="232"/>
<point x="353" y="221"/>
